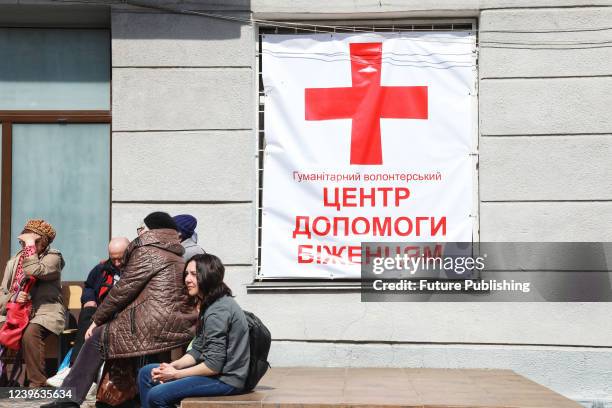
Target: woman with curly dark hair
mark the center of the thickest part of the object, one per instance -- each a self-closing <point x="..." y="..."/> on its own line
<point x="218" y="362"/>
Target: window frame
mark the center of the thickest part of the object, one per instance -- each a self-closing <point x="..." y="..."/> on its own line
<point x="7" y="119"/>
<point x="24" y="116"/>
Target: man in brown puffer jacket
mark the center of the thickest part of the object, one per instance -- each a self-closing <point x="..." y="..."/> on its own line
<point x="143" y="314"/>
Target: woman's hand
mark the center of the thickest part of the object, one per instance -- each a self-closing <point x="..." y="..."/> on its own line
<point x="164" y="373"/>
<point x="184" y="362"/>
<point x="89" y="331"/>
<point x="22" y="297"/>
<point x="29" y="238"/>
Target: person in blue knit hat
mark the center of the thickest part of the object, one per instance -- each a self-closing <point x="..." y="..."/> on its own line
<point x="186" y="225"/>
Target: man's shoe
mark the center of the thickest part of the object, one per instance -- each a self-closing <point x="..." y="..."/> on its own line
<point x="57" y="380"/>
<point x="60" y="404"/>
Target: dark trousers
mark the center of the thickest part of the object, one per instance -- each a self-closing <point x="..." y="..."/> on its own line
<point x="33" y="343"/>
<point x="84" y="372"/>
<point x="85" y="319"/>
<point x="85" y="369"/>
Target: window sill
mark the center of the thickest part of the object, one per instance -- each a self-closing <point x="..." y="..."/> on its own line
<point x="304" y="286"/>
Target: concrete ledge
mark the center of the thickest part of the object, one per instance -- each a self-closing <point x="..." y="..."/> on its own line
<point x="391" y="387"/>
<point x="578" y="373"/>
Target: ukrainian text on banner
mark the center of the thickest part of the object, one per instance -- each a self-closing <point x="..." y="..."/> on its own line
<point x="368" y="138"/>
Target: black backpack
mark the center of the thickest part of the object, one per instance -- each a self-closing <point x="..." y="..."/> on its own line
<point x="259" y="346"/>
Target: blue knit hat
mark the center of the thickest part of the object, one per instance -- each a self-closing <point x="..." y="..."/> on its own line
<point x="186" y="225"/>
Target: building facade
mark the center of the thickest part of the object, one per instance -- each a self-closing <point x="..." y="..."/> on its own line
<point x="183" y="128"/>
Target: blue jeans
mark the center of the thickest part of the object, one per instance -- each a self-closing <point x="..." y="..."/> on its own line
<point x="167" y="395"/>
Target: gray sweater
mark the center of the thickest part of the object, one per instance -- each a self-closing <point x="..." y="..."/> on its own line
<point x="223" y="342"/>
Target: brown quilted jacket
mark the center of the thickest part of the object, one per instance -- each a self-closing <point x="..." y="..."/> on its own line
<point x="143" y="311"/>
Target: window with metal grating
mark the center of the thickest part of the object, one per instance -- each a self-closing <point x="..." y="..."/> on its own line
<point x="302" y="27"/>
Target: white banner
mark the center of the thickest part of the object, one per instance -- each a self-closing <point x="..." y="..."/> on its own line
<point x="368" y="138"/>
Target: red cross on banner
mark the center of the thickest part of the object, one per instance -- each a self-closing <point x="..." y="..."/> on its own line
<point x="366" y="102"/>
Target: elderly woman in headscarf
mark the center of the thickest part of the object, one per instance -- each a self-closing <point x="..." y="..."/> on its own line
<point x="36" y="260"/>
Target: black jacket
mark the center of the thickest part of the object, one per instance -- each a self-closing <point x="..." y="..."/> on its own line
<point x="96" y="279"/>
